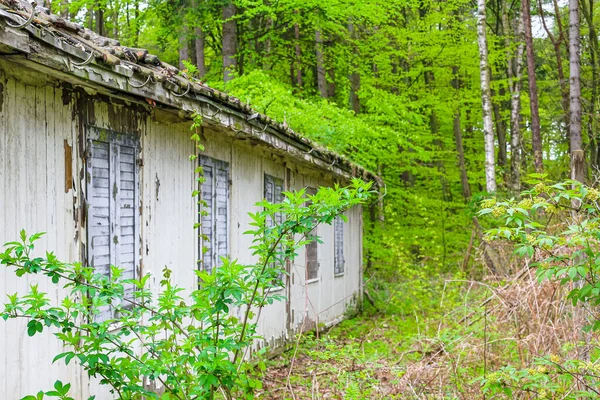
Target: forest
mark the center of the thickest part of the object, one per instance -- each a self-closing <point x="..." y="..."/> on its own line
<point x="482" y="263"/>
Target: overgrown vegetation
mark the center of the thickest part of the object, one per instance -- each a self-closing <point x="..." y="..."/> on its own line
<point x="396" y="87"/>
<point x="526" y="331"/>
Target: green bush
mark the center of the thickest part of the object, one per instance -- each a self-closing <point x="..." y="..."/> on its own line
<point x="192" y="345"/>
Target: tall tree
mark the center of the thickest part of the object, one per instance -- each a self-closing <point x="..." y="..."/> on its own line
<point x="184" y="50"/>
<point x="458" y="139"/>
<point x="515" y="75"/>
<point x="577" y="156"/>
<point x="199" y="48"/>
<point x="229" y="41"/>
<point x="486" y="98"/>
<point x="296" y="66"/>
<point x="557" y="43"/>
<point x="587" y="9"/>
<point x="321" y="71"/>
<point x="536" y="133"/>
<point x="354" y="77"/>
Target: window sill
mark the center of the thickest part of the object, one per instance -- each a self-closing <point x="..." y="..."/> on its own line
<point x="313" y="280"/>
<point x="339" y="275"/>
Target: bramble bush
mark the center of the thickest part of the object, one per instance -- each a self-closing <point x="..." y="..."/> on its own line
<point x="191" y="346"/>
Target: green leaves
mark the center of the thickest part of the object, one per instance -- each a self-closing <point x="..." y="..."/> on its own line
<point x="189" y="345"/>
<point x="60" y="391"/>
<point x="34" y="327"/>
<point x="559" y="226"/>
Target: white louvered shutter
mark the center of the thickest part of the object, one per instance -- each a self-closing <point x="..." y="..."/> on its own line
<point x="113" y="224"/>
<point x="222" y="215"/>
<point x="214" y="241"/>
<point x="312" y="249"/>
<point x="207" y="214"/>
<point x="274" y="194"/>
<point x="339" y="261"/>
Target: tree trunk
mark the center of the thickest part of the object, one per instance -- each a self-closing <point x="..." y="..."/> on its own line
<point x="321" y="73"/>
<point x="587" y="8"/>
<point x="354" y="88"/>
<point x="137" y="22"/>
<point x="354" y="77"/>
<point x="577" y="158"/>
<point x="434" y="128"/>
<point x="556" y="44"/>
<point x="99" y="14"/>
<point x="184" y="51"/>
<point x="500" y="129"/>
<point x="200" y="54"/>
<point x="296" y="66"/>
<point x="268" y="45"/>
<point x="115" y="30"/>
<point x="536" y="134"/>
<point x="486" y="99"/>
<point x="460" y="151"/>
<point x="229" y="42"/>
<point x="515" y="74"/>
<point x="331" y="83"/>
<point x="64" y="9"/>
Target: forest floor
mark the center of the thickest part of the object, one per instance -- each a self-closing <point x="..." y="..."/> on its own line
<point x="405" y="350"/>
<point x="357" y="359"/>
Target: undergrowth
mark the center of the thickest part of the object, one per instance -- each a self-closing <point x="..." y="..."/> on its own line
<point x="520" y="322"/>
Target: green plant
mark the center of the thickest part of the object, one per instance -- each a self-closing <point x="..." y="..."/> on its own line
<point x="559" y="226"/>
<point x="556" y="226"/>
<point x="190" y="344"/>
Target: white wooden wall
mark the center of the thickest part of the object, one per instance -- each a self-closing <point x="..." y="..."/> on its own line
<point x="37" y="119"/>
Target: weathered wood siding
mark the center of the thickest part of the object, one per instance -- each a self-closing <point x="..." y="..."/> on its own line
<point x="43" y="188"/>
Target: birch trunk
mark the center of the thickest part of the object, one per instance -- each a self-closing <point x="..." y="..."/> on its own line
<point x="577" y="158"/>
<point x="587" y="8"/>
<point x="486" y="99"/>
<point x="536" y="134"/>
<point x="515" y="75"/>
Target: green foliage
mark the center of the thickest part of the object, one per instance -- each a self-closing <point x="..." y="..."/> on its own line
<point x="190" y="343"/>
<point x="549" y="378"/>
<point x="569" y="252"/>
<point x="557" y="227"/>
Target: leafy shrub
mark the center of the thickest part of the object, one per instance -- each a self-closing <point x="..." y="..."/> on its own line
<point x="190" y="346"/>
<point x="557" y="227"/>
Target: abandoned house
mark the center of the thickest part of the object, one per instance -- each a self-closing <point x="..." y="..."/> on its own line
<point x="79" y="115"/>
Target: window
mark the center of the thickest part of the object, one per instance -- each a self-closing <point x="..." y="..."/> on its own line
<point x="214" y="240"/>
<point x="274" y="194"/>
<point x="312" y="256"/>
<point x="113" y="225"/>
<point x="338" y="246"/>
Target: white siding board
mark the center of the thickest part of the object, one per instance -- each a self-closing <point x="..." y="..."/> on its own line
<point x="5" y="172"/>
